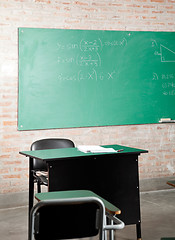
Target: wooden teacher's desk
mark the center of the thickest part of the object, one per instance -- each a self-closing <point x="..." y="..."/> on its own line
<point x="113" y="176"/>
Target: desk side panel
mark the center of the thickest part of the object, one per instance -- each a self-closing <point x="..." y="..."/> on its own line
<point x="119" y="184"/>
<point x="113" y="177"/>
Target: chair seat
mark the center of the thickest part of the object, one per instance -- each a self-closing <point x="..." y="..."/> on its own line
<point x="110" y="208"/>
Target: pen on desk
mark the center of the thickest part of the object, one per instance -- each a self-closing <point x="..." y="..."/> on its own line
<point x="120" y="150"/>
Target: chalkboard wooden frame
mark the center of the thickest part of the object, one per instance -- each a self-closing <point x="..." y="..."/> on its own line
<point x="83" y="78"/>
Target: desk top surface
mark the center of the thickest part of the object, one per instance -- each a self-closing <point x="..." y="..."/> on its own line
<point x="77" y="194"/>
<point x="66" y="153"/>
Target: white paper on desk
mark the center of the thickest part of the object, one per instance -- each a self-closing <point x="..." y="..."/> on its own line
<point x="94" y="149"/>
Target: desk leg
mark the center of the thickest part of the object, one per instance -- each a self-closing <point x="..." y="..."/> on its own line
<point x="31" y="192"/>
<point x="31" y="185"/>
<point x="138" y="228"/>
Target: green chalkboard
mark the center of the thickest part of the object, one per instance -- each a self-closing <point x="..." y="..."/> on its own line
<point x="81" y="78"/>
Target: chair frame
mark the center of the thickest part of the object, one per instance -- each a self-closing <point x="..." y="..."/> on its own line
<point x="55" y="202"/>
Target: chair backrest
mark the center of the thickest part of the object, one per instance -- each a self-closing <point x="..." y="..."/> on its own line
<point x="67" y="219"/>
<point x="49" y="143"/>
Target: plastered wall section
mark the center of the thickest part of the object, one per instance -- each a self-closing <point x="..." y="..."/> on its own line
<point x="139" y="15"/>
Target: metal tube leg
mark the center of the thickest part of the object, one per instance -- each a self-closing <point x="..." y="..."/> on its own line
<point x="111" y="232"/>
<point x="105" y="233"/>
<point x="138" y="229"/>
<point x="31" y="192"/>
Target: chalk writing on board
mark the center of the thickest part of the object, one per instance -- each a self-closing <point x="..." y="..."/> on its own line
<point x="87" y="75"/>
<point x="168" y="76"/>
<point x="65" y="60"/>
<point x="167" y="81"/>
<point x="94" y="45"/>
<point x="154" y="43"/>
<point x="168" y="85"/>
<point x="68" y="46"/>
<point x="107" y="75"/>
<point x="110" y="75"/>
<point x="62" y="78"/>
<point x="91" y="75"/>
<point x="166" y="54"/>
<point x="155" y="76"/>
<point x="122" y="42"/>
<point x="164" y="76"/>
<point x="93" y="60"/>
<point x="169" y="93"/>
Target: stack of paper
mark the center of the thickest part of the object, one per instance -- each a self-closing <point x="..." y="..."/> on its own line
<point x="95" y="149"/>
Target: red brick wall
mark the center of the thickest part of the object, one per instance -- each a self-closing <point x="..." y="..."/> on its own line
<point x="148" y="15"/>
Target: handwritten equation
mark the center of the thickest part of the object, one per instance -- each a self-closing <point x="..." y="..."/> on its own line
<point x="92" y="75"/>
<point x="167" y="83"/>
<point x="122" y="42"/>
<point x="88" y="52"/>
<point x="91" y="46"/>
<point x="89" y="60"/>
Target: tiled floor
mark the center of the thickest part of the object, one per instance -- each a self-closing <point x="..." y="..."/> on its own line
<point x="158" y="219"/>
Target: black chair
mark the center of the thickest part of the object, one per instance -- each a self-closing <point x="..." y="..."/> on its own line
<point x="67" y="219"/>
<point x="39" y="167"/>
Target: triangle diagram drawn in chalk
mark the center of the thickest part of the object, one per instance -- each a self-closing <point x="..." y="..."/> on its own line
<point x="167" y="55"/>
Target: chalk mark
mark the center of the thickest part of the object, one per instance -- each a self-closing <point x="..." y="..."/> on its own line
<point x="169" y="52"/>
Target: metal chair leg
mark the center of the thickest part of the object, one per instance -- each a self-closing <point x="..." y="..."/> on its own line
<point x="38" y="186"/>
